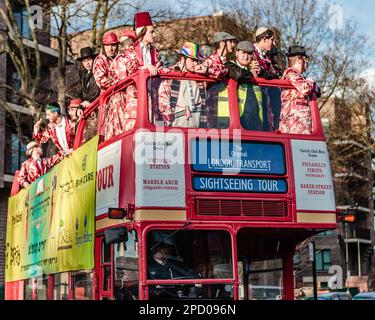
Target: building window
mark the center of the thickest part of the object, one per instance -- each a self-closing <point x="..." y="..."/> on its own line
<point x="22" y="18"/>
<point x="15" y="153"/>
<point x="323" y="259"/>
<point x="16" y="81"/>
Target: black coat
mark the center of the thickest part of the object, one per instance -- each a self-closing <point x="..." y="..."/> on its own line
<point x="237" y="73"/>
<point x="89" y="89"/>
<point x="170" y="270"/>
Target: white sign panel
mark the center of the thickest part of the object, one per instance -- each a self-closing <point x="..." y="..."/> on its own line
<point x="108" y="178"/>
<point x="160" y="171"/>
<point x="312" y="174"/>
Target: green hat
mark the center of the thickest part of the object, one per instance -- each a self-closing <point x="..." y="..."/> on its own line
<point x="53" y="107"/>
<point x="222" y="36"/>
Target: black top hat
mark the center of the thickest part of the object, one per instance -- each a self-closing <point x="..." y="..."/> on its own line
<point x="296" y="51"/>
<point x="86" y="52"/>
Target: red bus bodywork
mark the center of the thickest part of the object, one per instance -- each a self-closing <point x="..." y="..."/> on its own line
<point x="251" y="219"/>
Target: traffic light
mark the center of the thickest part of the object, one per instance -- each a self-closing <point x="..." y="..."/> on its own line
<point x="347" y="216"/>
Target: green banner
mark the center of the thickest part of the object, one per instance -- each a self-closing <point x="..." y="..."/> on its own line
<point x="51" y="223"/>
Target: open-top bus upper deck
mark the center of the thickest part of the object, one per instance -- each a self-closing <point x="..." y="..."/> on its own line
<point x="222" y="171"/>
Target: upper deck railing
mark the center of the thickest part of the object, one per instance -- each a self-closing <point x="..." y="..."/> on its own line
<point x="141" y="78"/>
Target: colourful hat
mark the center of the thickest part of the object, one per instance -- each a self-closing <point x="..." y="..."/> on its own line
<point x="74" y="103"/>
<point x="110" y="38"/>
<point x="30" y="146"/>
<point x="190" y="50"/>
<point x="141" y="20"/>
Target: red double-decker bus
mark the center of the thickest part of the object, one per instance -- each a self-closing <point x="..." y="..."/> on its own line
<point x="210" y="212"/>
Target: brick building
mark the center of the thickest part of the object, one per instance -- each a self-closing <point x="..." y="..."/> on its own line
<point x="12" y="145"/>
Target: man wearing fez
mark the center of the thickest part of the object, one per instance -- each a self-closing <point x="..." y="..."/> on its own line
<point x="59" y="129"/>
<point x="89" y="89"/>
<point x="295" y="114"/>
<point x="147" y="55"/>
<point x="36" y="165"/>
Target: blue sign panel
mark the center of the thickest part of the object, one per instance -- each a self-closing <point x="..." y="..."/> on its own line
<point x="238" y="157"/>
<point x="232" y="184"/>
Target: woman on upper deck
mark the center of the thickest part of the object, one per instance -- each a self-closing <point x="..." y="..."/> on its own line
<point x="295" y="114"/>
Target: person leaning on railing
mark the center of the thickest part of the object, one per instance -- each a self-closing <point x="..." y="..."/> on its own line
<point x="295" y="114"/>
<point x="182" y="103"/>
<point x="89" y="90"/>
<point x="36" y="165"/>
<point x="224" y="44"/>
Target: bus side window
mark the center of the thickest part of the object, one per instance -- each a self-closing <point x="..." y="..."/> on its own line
<point x="259" y="107"/>
<point x="188" y="103"/>
<point x="218" y="106"/>
<point x="82" y="285"/>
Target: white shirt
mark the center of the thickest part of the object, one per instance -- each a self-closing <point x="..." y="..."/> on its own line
<point x="61" y="134"/>
<point x="262" y="53"/>
<point x="146" y="53"/>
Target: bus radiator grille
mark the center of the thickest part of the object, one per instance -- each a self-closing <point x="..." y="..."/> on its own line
<point x="244" y="208"/>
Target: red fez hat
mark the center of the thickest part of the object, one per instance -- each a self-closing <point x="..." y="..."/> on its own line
<point x="74" y="103"/>
<point x="142" y="19"/>
<point x="109" y="38"/>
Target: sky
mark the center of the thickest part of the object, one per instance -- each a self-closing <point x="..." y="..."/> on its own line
<point x="362" y="11"/>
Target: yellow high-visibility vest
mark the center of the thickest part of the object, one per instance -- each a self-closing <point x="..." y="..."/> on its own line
<point x="223" y="104"/>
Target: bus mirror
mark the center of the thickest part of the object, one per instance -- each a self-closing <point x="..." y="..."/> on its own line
<point x="116" y="235"/>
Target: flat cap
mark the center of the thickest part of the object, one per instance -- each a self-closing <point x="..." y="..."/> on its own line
<point x="222" y="36"/>
<point x="245" y="46"/>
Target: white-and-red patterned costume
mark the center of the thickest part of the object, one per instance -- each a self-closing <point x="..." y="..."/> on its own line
<point x="50" y="133"/>
<point x="216" y="66"/>
<point x="31" y="170"/>
<point x="100" y="71"/>
<point x="295" y="114"/>
<point x="121" y="112"/>
<point x="182" y="103"/>
<point x="152" y="53"/>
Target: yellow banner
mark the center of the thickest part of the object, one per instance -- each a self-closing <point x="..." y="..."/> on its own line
<point x="51" y="223"/>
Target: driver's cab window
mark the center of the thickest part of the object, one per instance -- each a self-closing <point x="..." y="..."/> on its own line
<point x="126" y="268"/>
<point x="188" y="103"/>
